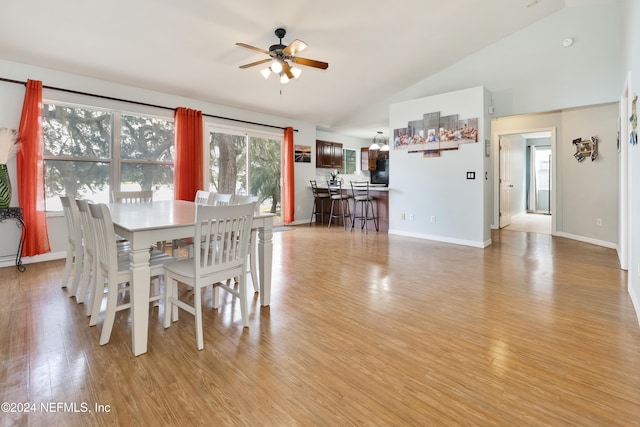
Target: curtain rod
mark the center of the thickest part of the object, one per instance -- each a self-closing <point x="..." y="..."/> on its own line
<point x="141" y="103"/>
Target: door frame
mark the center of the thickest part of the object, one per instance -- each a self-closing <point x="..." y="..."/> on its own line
<point x="504" y="220"/>
<point x="248" y="133"/>
<point x="496" y="176"/>
<point x="624" y="178"/>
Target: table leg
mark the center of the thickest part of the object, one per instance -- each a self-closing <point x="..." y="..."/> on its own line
<point x="265" y="255"/>
<point x="140" y="290"/>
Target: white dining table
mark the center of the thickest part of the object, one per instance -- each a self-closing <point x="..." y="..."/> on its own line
<point x="144" y="224"/>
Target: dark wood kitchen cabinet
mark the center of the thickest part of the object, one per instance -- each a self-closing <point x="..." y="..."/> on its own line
<point x="364" y="159"/>
<point x="368" y="158"/>
<point x="328" y="154"/>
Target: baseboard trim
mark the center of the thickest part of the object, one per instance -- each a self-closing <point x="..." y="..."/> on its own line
<point x="635" y="300"/>
<point x="586" y="240"/>
<point x="442" y="239"/>
<point x="51" y="256"/>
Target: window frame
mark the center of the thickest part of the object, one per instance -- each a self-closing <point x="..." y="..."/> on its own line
<point x="345" y="161"/>
<point x="116" y="109"/>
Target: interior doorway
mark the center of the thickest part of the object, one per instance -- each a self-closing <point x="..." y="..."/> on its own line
<point x="525" y="181"/>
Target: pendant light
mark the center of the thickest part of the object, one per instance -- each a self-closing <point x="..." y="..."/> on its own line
<point x="375" y="145"/>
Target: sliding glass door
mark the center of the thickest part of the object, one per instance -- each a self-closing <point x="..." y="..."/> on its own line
<point x="247" y="163"/>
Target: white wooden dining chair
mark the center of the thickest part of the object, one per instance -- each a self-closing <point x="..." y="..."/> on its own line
<point x="143" y="196"/>
<point x="204" y="197"/>
<point x="221" y="199"/>
<point x="243" y="199"/>
<point x="75" y="251"/>
<point x="90" y="257"/>
<point x="132" y="196"/>
<point x="115" y="271"/>
<point x="220" y="252"/>
<point x="253" y="256"/>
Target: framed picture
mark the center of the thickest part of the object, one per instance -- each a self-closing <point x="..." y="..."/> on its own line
<point x="302" y="153"/>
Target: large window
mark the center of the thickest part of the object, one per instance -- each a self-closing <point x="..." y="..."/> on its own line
<point x="243" y="163"/>
<point x="89" y="152"/>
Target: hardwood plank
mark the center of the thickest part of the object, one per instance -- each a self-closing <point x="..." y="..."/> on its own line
<point x="363" y="329"/>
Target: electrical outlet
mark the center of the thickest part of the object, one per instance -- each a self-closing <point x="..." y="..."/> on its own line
<point x="598" y="222"/>
<point x="433" y="218"/>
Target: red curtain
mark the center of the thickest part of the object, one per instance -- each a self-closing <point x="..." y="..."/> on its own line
<point x="30" y="167"/>
<point x="188" y="173"/>
<point x="288" y="187"/>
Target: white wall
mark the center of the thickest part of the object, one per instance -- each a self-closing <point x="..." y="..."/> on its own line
<point x="438" y="186"/>
<point x="530" y="71"/>
<point x="587" y="189"/>
<point x="11" y="98"/>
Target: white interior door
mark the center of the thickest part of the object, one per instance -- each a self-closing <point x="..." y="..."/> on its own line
<point x="505" y="181"/>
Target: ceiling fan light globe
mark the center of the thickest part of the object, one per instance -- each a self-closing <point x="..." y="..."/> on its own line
<point x="284" y="79"/>
<point x="296" y="72"/>
<point x="276" y="67"/>
<point x="265" y="72"/>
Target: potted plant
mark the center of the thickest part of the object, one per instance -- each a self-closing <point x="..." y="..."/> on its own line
<point x="8" y="149"/>
<point x="334" y="177"/>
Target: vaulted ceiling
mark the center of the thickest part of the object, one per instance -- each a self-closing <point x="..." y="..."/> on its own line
<point x="187" y="48"/>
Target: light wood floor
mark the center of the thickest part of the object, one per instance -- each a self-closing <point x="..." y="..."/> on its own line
<point x="533" y="223"/>
<point x="373" y="330"/>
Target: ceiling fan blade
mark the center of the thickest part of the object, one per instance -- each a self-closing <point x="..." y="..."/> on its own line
<point x="287" y="70"/>
<point x="310" y="62"/>
<point x="252" y="48"/>
<point x="295" y="47"/>
<point x="262" y="61"/>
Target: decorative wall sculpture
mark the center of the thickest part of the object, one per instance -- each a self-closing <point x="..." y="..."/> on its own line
<point x="586" y="148"/>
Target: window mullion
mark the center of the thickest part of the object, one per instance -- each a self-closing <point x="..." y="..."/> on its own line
<point x="99" y="169"/>
<point x="115" y="151"/>
<point x="248" y="162"/>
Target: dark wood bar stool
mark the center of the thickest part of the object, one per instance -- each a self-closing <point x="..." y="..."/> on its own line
<point x="361" y="196"/>
<point x="318" y="196"/>
<point x="342" y="199"/>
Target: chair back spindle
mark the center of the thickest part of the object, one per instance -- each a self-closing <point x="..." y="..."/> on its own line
<point x="132" y="196"/>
